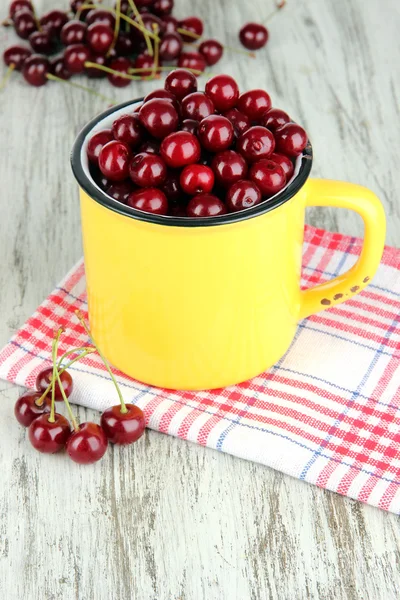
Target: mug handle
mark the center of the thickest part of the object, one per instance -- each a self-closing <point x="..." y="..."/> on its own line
<point x="323" y="192"/>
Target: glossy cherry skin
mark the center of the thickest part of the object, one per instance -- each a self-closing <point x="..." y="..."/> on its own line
<point x="16" y="55"/>
<point x="195" y="26"/>
<point x="151" y="200"/>
<point x="114" y="159"/>
<point x="180" y="83"/>
<point x="190" y="125"/>
<point x="98" y="59"/>
<point x="240" y="122"/>
<point x="88" y="444"/>
<point x="99" y="37"/>
<point x="44" y="378"/>
<point x="197" y="106"/>
<point x="223" y="91"/>
<point x="152" y="23"/>
<point x="144" y="61"/>
<point x="161" y="93"/>
<point x="27" y="410"/>
<point x="42" y="42"/>
<point x="291" y="139"/>
<point x="170" y="24"/>
<point x="171" y="187"/>
<point x="212" y="51"/>
<point x="150" y="146"/>
<point x="123" y="428"/>
<point x="269" y="176"/>
<point x="197" y="179"/>
<point x="205" y="205"/>
<point x="98" y="15"/>
<point x="24" y="23"/>
<point x="49" y="437"/>
<point x="96" y="143"/>
<point x="73" y="32"/>
<point x="254" y="103"/>
<point x="18" y="5"/>
<point x="171" y="46"/>
<point x="120" y="191"/>
<point x="58" y="68"/>
<point x="215" y="133"/>
<point x="285" y="163"/>
<point x="253" y="36"/>
<point x="255" y="143"/>
<point x="274" y="118"/>
<point x="243" y="194"/>
<point x="179" y="149"/>
<point x="75" y="57"/>
<point x="55" y="20"/>
<point x="159" y="117"/>
<point x="128" y="129"/>
<point x="35" y="70"/>
<point x="193" y="61"/>
<point x="147" y="170"/>
<point x="162" y="8"/>
<point x="228" y="166"/>
<point x="122" y="65"/>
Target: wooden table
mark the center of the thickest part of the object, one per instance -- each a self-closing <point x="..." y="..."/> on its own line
<point x="165" y="519"/>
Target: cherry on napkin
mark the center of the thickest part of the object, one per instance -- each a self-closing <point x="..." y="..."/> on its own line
<point x="328" y="412"/>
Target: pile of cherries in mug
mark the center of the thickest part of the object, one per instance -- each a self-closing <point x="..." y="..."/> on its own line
<point x="197" y="154"/>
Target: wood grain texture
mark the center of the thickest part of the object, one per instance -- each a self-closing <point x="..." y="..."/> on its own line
<point x="165" y="519"/>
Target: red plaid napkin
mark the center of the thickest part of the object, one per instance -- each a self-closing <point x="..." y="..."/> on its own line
<point x="328" y="412"/>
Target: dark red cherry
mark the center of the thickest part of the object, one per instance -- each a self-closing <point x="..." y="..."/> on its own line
<point x="49" y="437"/>
<point x="229" y="167"/>
<point x="98" y="15"/>
<point x="291" y="139"/>
<point x="179" y="149"/>
<point x="88" y="444"/>
<point x="54" y="20"/>
<point x="161" y="93"/>
<point x="99" y="37"/>
<point x="123" y="428"/>
<point x="193" y="25"/>
<point x="144" y="61"/>
<point x="45" y="377"/>
<point x="75" y="57"/>
<point x="128" y="129"/>
<point x="243" y="194"/>
<point x="240" y="122"/>
<point x="147" y="170"/>
<point x="193" y="61"/>
<point x="253" y="36"/>
<point x="58" y="68"/>
<point x="18" y="5"/>
<point x="274" y="118"/>
<point x="98" y="59"/>
<point x="16" y="55"/>
<point x="205" y="205"/>
<point x="159" y="117"/>
<point x="255" y="143"/>
<point x="197" y="179"/>
<point x="171" y="46"/>
<point x="35" y="70"/>
<point x="269" y="176"/>
<point x="285" y="163"/>
<point x="170" y="24"/>
<point x="190" y="125"/>
<point x="24" y="23"/>
<point x="120" y="191"/>
<point x="96" y="143"/>
<point x="171" y="187"/>
<point x="197" y="106"/>
<point x="215" y="133"/>
<point x="212" y="51"/>
<point x="26" y="408"/>
<point x="42" y="42"/>
<point x="73" y="32"/>
<point x="152" y="23"/>
<point x="114" y="159"/>
<point x="75" y="7"/>
<point x="121" y="65"/>
<point x="125" y="45"/>
<point x="180" y="83"/>
<point x="254" y="103"/>
<point x="150" y="146"/>
<point x="151" y="200"/>
<point x="162" y="8"/>
<point x="223" y="91"/>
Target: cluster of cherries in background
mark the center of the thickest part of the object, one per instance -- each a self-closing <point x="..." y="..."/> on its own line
<point x="49" y="431"/>
<point x="187" y="153"/>
<point x="132" y="41"/>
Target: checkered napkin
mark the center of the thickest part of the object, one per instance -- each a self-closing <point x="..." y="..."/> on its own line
<point x="328" y="412"/>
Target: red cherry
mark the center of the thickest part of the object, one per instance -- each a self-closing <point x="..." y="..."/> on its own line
<point x="291" y="139"/>
<point x="285" y="163"/>
<point x="274" y="118"/>
<point x="123" y="428"/>
<point x="150" y="146"/>
<point x="58" y="68"/>
<point x="122" y="65"/>
<point x="114" y="159"/>
<point x="161" y="93"/>
<point x="223" y="91"/>
<point x="35" y="70"/>
<point x="98" y="15"/>
<point x="75" y="57"/>
<point x="193" y="61"/>
<point x="255" y="143"/>
<point x="55" y="20"/>
<point x="24" y="23"/>
<point x="98" y="59"/>
<point x="190" y="125"/>
<point x="42" y="42"/>
<point x="180" y="83"/>
<point x="195" y="26"/>
<point x="240" y="122"/>
<point x="171" y="187"/>
<point x="170" y="24"/>
<point x="253" y="36"/>
<point x="73" y="32"/>
<point x="180" y="148"/>
<point x="162" y="8"/>
<point x="269" y="176"/>
<point x="99" y="37"/>
<point x="159" y="117"/>
<point x="212" y="51"/>
<point x="49" y="437"/>
<point x="229" y="167"/>
<point x="144" y="61"/>
<point x="18" y="5"/>
<point x="147" y="170"/>
<point x="128" y="129"/>
<point x="124" y="45"/>
<point x="27" y="410"/>
<point x="44" y="379"/>
<point x="254" y="103"/>
<point x="243" y="194"/>
<point x="197" y="106"/>
<point x="120" y="191"/>
<point x="88" y="444"/>
<point x="75" y="7"/>
<point x="197" y="179"/>
<point x="171" y="46"/>
<point x="96" y="143"/>
<point x="215" y="133"/>
<point x="152" y="23"/>
<point x="151" y="200"/>
<point x="16" y="55"/>
<point x="205" y="205"/>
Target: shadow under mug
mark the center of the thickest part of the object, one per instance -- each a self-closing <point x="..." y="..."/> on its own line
<point x="209" y="302"/>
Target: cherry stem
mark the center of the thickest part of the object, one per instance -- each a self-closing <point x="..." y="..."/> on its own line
<point x="103" y="358"/>
<point x="195" y="36"/>
<point x="122" y="16"/>
<point x="7" y="76"/>
<point x="279" y="6"/>
<point x="81" y="87"/>
<point x="140" y="21"/>
<point x="117" y="26"/>
<point x="156" y="51"/>
<point x="53" y="379"/>
<point x="170" y="68"/>
<point x="111" y="71"/>
<point x="38" y="25"/>
<point x="67" y="404"/>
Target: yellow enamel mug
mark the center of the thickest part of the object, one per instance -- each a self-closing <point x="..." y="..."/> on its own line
<point x="205" y="303"/>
